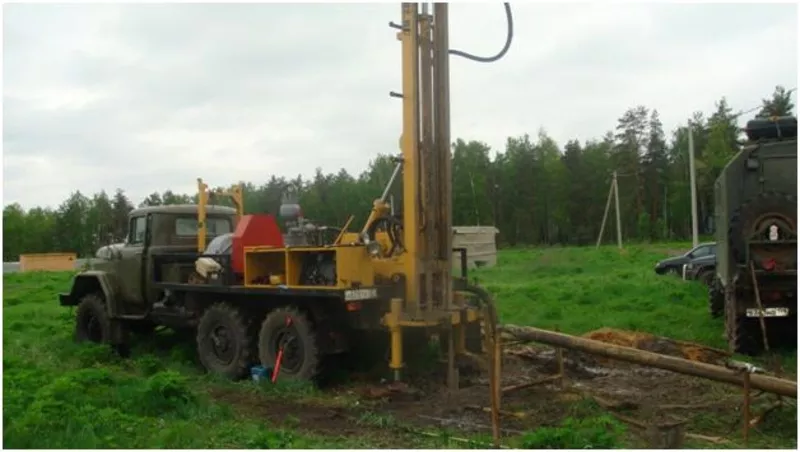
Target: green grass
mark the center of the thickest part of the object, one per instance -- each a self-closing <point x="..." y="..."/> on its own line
<point x="579" y="289"/>
<point x="58" y="394"/>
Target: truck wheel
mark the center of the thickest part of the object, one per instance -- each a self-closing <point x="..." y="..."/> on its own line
<point x="745" y="336"/>
<point x="716" y="299"/>
<point x="706" y="277"/>
<point x="294" y="332"/>
<point x="225" y="341"/>
<point x="91" y="320"/>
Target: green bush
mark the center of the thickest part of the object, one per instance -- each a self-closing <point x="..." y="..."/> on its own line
<point x="601" y="432"/>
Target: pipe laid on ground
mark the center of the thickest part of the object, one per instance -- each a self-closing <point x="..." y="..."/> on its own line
<point x="766" y="383"/>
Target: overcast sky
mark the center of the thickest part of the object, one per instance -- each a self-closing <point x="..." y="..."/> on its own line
<point x="148" y="97"/>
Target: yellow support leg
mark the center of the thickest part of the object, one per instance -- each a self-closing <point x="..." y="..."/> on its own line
<point x="396" y="333"/>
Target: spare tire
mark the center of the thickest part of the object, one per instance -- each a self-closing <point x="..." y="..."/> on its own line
<point x="757" y="215"/>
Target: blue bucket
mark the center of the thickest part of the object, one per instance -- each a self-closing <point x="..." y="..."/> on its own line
<point x="259" y="373"/>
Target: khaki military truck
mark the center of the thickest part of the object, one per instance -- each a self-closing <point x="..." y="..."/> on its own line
<point x="756" y="229"/>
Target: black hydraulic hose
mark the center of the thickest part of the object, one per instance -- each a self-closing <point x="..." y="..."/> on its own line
<point x="509" y="37"/>
<point x="391" y="224"/>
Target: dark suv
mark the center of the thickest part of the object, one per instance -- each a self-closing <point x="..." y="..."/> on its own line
<point x="674" y="265"/>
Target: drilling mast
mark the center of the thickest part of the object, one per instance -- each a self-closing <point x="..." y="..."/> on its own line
<point x="427" y="175"/>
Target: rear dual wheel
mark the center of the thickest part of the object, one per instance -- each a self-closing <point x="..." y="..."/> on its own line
<point x="226" y="342"/>
<point x="292" y="331"/>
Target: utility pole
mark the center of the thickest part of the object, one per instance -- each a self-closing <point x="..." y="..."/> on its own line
<point x="613" y="190"/>
<point x="692" y="184"/>
<point x="666" y="218"/>
<point x="616" y="209"/>
<point x="605" y="214"/>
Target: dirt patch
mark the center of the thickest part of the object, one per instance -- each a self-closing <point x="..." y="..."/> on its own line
<point x="660" y="345"/>
<point x="592" y="387"/>
<point x="313" y="418"/>
<point x="279" y="412"/>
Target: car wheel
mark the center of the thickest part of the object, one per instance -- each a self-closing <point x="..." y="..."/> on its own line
<point x="672" y="271"/>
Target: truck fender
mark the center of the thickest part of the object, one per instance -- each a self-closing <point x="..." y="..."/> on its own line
<point x="92" y="281"/>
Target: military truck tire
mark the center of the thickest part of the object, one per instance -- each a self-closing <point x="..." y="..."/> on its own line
<point x="292" y="329"/>
<point x="742" y="221"/>
<point x="706" y="277"/>
<point x="716" y="299"/>
<point x="225" y="341"/>
<point x="746" y="336"/>
<point x="91" y="320"/>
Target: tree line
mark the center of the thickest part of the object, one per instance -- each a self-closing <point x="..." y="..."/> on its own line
<point x="533" y="191"/>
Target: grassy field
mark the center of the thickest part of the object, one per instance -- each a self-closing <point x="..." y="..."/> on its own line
<point x="578" y="290"/>
<point x="58" y="394"/>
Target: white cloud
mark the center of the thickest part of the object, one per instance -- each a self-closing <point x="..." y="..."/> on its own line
<point x="148" y="97"/>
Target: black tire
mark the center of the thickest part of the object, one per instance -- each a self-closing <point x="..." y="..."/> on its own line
<point x="301" y="357"/>
<point x="225" y="341"/>
<point x="745" y="336"/>
<point x="706" y="277"/>
<point x="743" y="220"/>
<point x="716" y="299"/>
<point x="91" y="320"/>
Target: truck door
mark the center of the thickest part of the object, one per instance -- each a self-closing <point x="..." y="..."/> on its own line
<point x="130" y="271"/>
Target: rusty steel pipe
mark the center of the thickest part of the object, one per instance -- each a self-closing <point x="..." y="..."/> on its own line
<point x="766" y="383"/>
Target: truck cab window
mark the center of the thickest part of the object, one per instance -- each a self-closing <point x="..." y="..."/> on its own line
<point x="137" y="231"/>
<point x="187" y="226"/>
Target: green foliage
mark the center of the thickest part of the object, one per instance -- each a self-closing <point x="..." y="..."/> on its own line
<point x="603" y="432"/>
<point x="780" y="104"/>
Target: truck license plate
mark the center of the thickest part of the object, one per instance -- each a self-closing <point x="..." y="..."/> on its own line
<point x="361" y="294"/>
<point x="769" y="312"/>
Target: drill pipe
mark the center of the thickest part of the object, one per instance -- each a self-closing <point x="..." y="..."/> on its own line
<point x="766" y="383"/>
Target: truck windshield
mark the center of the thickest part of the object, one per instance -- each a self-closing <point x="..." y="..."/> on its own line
<point x="187" y="226"/>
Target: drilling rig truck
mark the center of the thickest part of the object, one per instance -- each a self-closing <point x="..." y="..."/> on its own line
<point x="287" y="299"/>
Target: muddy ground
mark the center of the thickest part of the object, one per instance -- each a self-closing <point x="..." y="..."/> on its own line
<point x="393" y="415"/>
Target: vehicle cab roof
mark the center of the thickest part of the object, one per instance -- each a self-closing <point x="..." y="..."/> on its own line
<point x="182" y="209"/>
